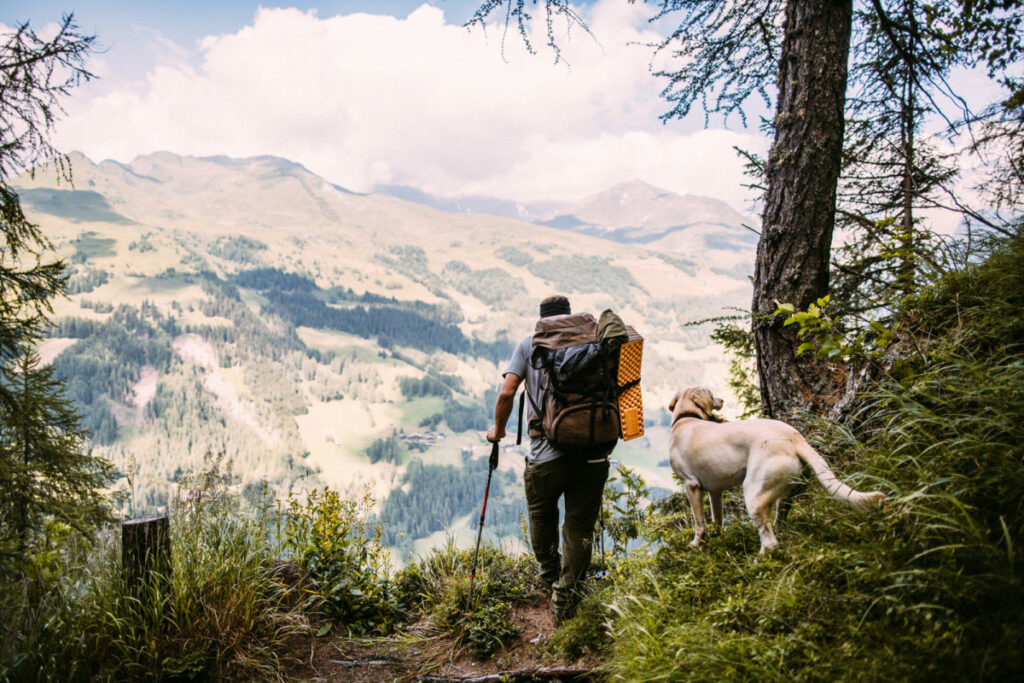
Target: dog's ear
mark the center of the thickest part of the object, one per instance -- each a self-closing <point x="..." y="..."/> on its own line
<point x="672" y="403"/>
<point x="701" y="399"/>
<point x="709" y="401"/>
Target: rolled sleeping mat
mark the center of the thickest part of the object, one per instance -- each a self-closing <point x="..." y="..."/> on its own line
<point x="631" y="404"/>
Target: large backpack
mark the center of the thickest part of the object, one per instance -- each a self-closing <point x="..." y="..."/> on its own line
<point x="578" y="362"/>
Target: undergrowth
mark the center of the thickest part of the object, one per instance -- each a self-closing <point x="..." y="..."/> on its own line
<point x="330" y="538"/>
<point x="223" y="613"/>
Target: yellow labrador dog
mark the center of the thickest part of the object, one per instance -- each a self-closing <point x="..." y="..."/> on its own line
<point x="763" y="455"/>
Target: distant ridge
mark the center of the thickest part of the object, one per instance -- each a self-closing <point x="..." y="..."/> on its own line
<point x="633" y="212"/>
<point x="637" y="212"/>
<point x="529" y="212"/>
<point x="647" y="209"/>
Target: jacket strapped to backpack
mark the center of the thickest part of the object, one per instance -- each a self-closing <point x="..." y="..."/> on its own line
<point x="577" y="357"/>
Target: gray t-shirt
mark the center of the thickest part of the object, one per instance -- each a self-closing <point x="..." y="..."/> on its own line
<point x="540" y="449"/>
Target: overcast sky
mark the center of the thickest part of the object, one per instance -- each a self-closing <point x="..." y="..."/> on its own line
<point x="367" y="93"/>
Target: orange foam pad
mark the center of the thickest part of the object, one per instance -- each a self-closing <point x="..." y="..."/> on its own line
<point x="631" y="404"/>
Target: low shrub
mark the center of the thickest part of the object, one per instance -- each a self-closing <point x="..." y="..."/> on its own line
<point x="438" y="587"/>
<point x="329" y="537"/>
<point x="586" y="633"/>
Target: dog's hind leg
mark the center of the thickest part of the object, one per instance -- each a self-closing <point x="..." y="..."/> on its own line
<point x="696" y="496"/>
<point x="716" y="509"/>
<point x="782" y="509"/>
<point x="759" y="505"/>
<point x="764" y="527"/>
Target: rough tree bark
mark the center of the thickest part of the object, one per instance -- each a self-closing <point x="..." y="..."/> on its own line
<point x="802" y="175"/>
<point x="146" y="552"/>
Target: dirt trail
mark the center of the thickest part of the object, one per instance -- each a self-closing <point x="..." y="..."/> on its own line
<point x="419" y="654"/>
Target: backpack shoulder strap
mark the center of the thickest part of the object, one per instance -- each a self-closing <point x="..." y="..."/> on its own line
<point x="519" y="427"/>
<point x="536" y="409"/>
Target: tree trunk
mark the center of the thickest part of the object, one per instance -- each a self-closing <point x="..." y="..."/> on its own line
<point x="802" y="174"/>
<point x="146" y="553"/>
<point x="908" y="125"/>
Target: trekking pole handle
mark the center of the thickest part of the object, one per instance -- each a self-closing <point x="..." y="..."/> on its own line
<point x="493" y="462"/>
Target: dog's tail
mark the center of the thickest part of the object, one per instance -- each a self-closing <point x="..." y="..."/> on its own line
<point x="836" y="488"/>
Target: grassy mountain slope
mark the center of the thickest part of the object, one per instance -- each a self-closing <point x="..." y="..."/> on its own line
<point x="928" y="588"/>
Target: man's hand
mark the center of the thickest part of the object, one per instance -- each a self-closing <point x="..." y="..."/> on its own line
<point x="494" y="435"/>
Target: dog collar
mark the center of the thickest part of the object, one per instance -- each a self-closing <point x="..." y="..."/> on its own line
<point x="680" y="416"/>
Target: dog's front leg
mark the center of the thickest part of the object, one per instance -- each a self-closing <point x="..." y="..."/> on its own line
<point x="695" y="494"/>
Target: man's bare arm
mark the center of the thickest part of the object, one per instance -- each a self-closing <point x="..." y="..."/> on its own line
<point x="503" y="407"/>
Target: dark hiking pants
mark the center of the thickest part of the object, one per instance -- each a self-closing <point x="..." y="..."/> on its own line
<point x="582" y="484"/>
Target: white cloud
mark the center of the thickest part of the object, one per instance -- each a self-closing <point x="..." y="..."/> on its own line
<point x="364" y="99"/>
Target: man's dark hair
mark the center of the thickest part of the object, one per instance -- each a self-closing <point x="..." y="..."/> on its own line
<point x="554" y="305"/>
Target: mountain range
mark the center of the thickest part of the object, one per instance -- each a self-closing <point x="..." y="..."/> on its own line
<point x="633" y="212"/>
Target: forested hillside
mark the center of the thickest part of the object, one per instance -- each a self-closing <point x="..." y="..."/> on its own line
<point x="332" y="338"/>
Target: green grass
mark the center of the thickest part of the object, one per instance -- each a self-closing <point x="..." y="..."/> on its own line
<point x="416" y="410"/>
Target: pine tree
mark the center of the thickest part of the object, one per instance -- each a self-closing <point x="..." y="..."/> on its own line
<point x="45" y="473"/>
<point x="45" y="468"/>
<point x="34" y="75"/>
<point x="893" y="170"/>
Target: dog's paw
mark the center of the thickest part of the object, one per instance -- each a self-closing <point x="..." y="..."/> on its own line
<point x="867" y="501"/>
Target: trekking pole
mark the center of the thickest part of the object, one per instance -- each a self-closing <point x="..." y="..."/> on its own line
<point x="491" y="466"/>
<point x="604" y="555"/>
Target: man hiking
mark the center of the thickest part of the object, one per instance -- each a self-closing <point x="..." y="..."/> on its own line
<point x="551" y="473"/>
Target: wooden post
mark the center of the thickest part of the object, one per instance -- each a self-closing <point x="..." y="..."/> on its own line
<point x="145" y="551"/>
